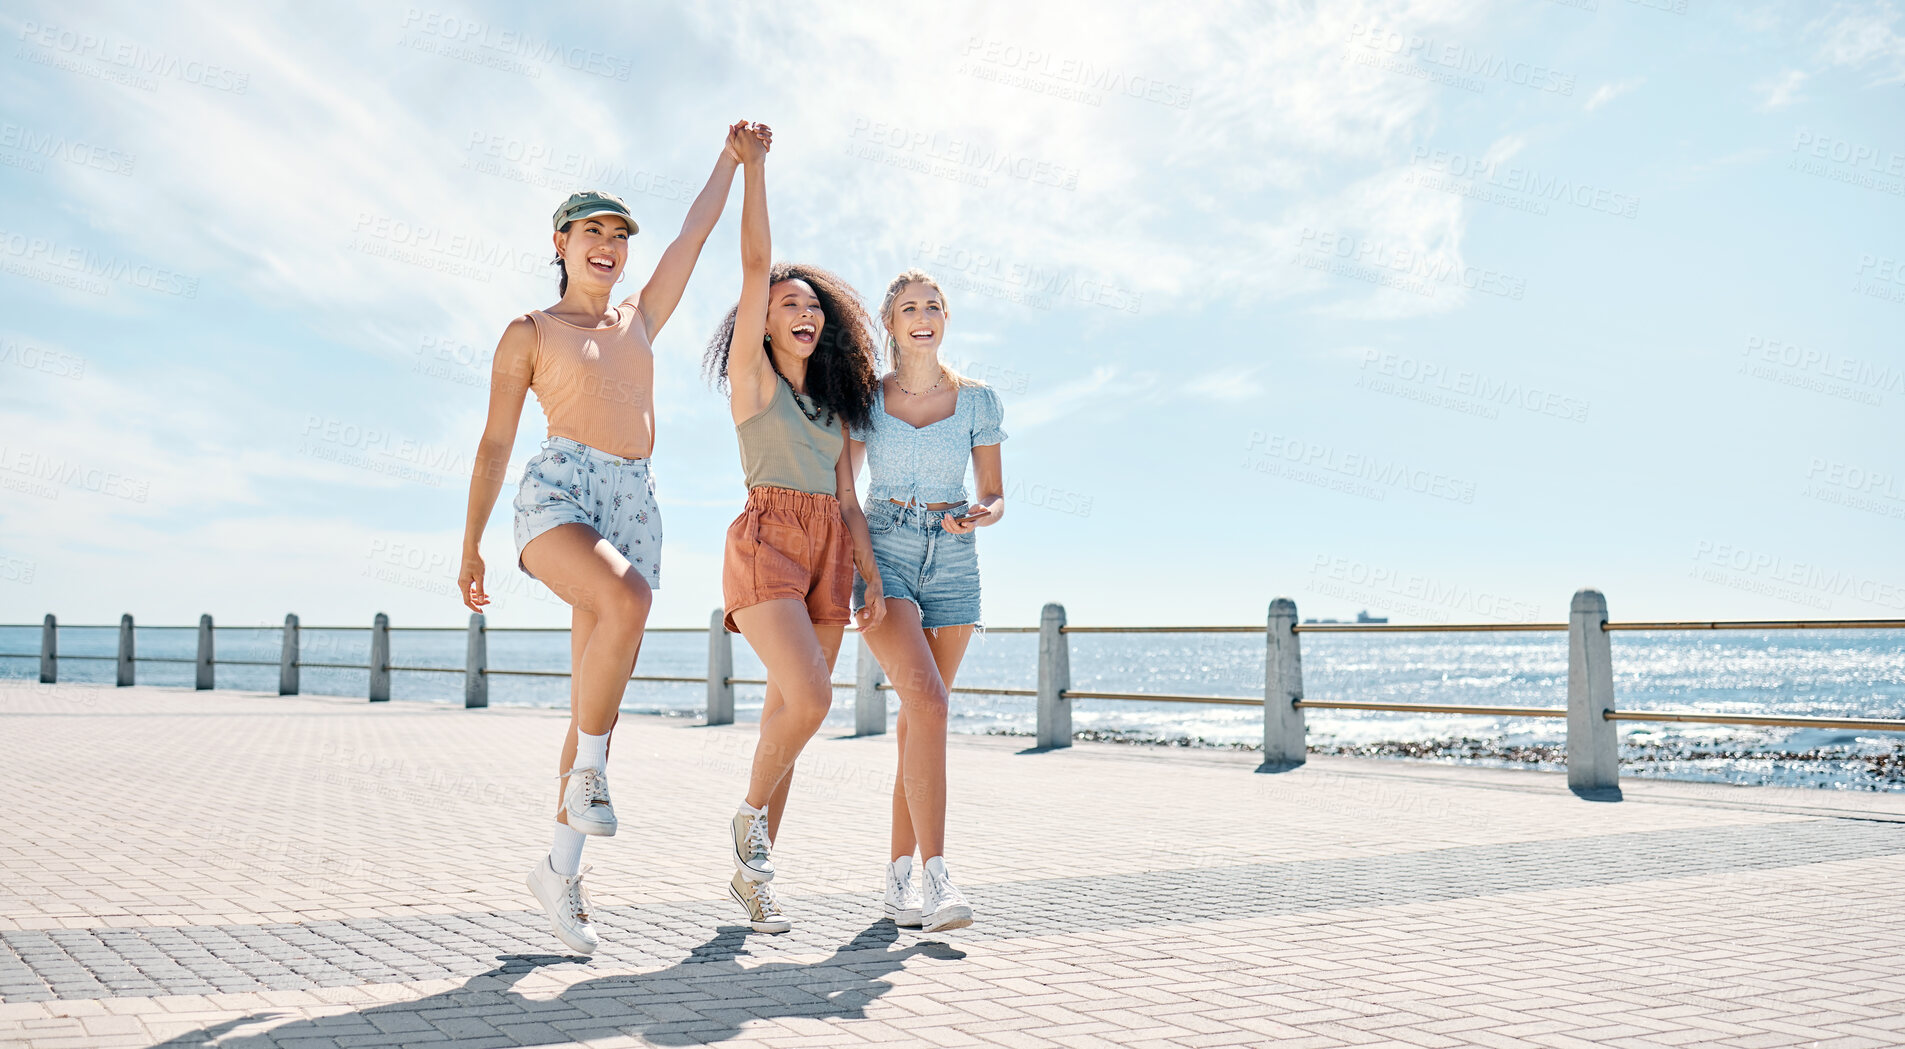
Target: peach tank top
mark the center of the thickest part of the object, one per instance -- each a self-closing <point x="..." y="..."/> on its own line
<point x="596" y="384"/>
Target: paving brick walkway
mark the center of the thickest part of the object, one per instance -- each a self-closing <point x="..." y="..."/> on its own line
<point x="191" y="869"/>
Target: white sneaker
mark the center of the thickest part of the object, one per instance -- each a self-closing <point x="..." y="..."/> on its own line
<point x="763" y="910"/>
<point x="751" y="846"/>
<point x="902" y="898"/>
<point x="586" y="801"/>
<point x="567" y="904"/>
<point x="944" y="907"/>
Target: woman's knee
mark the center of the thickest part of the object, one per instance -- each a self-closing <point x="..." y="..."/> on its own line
<point x="623" y="604"/>
<point x="926" y="706"/>
<point x="804" y="710"/>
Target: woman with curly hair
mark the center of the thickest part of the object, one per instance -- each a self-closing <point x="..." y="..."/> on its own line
<point x="586" y="522"/>
<point x="928" y="423"/>
<point x="796" y="359"/>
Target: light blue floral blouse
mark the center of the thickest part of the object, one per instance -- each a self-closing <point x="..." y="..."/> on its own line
<point x="927" y="464"/>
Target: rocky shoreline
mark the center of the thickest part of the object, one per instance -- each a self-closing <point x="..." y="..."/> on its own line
<point x="1832" y="768"/>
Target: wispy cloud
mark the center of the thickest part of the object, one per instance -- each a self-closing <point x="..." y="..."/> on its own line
<point x="381" y="188"/>
<point x="1609" y="92"/>
<point x="1781" y="91"/>
<point x="1063" y="400"/>
<point x="1867" y="37"/>
<point x="1225" y="385"/>
<point x="1863" y="38"/>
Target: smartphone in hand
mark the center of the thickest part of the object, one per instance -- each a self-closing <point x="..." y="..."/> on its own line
<point x="973" y="513"/>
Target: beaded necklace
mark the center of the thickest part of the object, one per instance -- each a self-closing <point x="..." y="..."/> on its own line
<point x="813" y="416"/>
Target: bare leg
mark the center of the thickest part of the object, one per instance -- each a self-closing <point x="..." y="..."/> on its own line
<point x="902" y="841"/>
<point x="581" y="627"/>
<point x="799" y="658"/>
<point x="777" y="803"/>
<point x="610" y="602"/>
<point x="949" y="650"/>
<point x="920" y="671"/>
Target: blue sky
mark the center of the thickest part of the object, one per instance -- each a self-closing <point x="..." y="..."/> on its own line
<point x="1437" y="309"/>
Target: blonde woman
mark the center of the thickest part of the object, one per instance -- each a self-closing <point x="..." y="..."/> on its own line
<point x="928" y="422"/>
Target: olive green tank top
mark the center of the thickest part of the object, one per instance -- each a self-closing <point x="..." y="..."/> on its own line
<point x="782" y="448"/>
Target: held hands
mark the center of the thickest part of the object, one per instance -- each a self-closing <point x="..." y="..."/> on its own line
<point x="873" y="612"/>
<point x="980" y="515"/>
<point x="469" y="582"/>
<point x="748" y="143"/>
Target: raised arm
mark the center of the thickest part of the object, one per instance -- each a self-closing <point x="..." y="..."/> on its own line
<point x="750" y="376"/>
<point x="510" y="373"/>
<point x="658" y="298"/>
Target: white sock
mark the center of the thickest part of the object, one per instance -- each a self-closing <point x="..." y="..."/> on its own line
<point x="591" y="752"/>
<point x="936" y="866"/>
<point x="751" y="810"/>
<point x="902" y="867"/>
<point x="565" y="856"/>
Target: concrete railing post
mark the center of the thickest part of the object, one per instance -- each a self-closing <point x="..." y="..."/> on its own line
<point x="869" y="706"/>
<point x="1284" y="744"/>
<point x="125" y="649"/>
<point x="720" y="669"/>
<point x="204" y="677"/>
<point x="380" y="659"/>
<point x="49" y="650"/>
<point x="288" y="658"/>
<point x="476" y="665"/>
<point x="1594" y="755"/>
<point x="1054" y="679"/>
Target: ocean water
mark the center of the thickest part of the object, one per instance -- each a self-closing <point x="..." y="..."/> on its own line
<point x="1839" y="673"/>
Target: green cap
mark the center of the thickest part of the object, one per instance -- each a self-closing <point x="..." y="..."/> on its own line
<point x="590" y="203"/>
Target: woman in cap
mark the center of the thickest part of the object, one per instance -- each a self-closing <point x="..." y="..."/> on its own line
<point x="586" y="523"/>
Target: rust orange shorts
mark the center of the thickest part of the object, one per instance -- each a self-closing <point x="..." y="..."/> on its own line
<point x="788" y="544"/>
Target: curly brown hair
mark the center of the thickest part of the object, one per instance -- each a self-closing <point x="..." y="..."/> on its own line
<point x="841" y="373"/>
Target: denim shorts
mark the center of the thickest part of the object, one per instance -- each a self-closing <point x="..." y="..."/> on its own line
<point x="921" y="562"/>
<point x="569" y="482"/>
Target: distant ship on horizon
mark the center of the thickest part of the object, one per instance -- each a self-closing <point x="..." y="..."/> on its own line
<point x="1361" y="617"/>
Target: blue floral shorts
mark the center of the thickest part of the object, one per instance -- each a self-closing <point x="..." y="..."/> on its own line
<point x="569" y="482"/>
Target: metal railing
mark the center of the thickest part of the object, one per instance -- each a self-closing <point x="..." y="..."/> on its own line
<point x="1592" y="743"/>
<point x="290" y="661"/>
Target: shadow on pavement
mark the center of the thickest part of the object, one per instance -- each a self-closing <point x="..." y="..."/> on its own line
<point x="702" y="999"/>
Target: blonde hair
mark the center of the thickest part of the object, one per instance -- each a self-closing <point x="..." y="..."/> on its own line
<point x="893" y="289"/>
